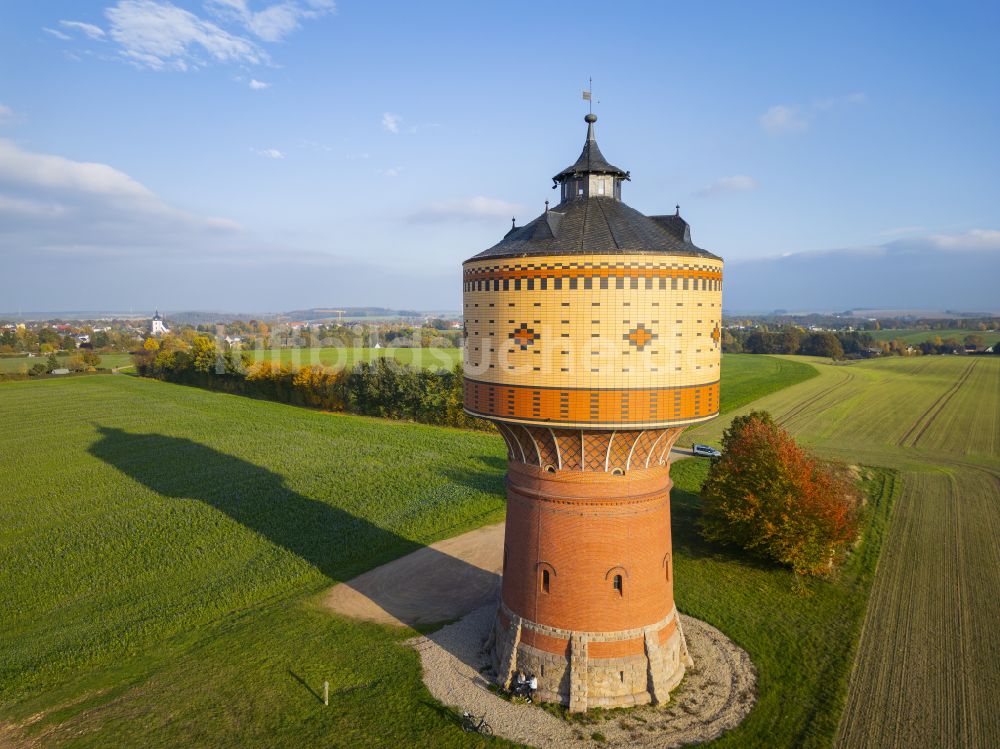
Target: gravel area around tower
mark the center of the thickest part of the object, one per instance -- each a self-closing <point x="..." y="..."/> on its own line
<point x="716" y="694"/>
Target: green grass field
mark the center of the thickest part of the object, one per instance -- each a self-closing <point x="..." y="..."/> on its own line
<point x="912" y="335"/>
<point x="161" y="546"/>
<point x="747" y="377"/>
<point x="164" y="546"/>
<point x="927" y="666"/>
<point x="161" y="585"/>
<point x="338" y="358"/>
<point x="21" y="364"/>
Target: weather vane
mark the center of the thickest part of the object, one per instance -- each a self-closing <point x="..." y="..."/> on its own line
<point x="588" y="95"/>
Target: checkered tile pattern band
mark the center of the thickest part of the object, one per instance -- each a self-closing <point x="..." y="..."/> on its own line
<point x="594" y="408"/>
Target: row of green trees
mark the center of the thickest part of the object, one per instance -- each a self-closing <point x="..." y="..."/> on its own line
<point x="839" y="344"/>
<point x="383" y="387"/>
<point x="794" y="341"/>
<point x="48" y="340"/>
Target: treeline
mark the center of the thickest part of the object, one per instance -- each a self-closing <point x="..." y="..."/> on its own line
<point x="383" y="388"/>
<point x="853" y="344"/>
<point x="257" y="334"/>
<point x="48" y="340"/>
<point x="779" y="319"/>
<point x="795" y="341"/>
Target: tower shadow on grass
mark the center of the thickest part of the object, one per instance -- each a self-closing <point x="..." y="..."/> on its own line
<point x="336" y="543"/>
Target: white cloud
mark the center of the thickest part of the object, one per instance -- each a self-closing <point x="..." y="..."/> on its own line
<point x="57" y="34"/>
<point x="393" y="171"/>
<point x="790" y="118"/>
<point x="57" y="205"/>
<point x="736" y="183"/>
<point x="161" y="36"/>
<point x="57" y="174"/>
<point x="974" y="239"/>
<point x="782" y="119"/>
<point x="22" y="207"/>
<point x="6" y="114"/>
<point x="94" y="32"/>
<point x="275" y="22"/>
<point x="258" y="85"/>
<point x="477" y="208"/>
<point x="927" y="272"/>
<point x="390" y="122"/>
<point x="270" y="153"/>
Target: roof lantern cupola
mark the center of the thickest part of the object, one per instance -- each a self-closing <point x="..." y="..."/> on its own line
<point x="591" y="176"/>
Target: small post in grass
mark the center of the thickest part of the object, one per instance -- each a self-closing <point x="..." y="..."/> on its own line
<point x="326" y="693"/>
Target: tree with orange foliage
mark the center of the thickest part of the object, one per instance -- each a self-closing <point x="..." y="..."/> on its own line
<point x="769" y="496"/>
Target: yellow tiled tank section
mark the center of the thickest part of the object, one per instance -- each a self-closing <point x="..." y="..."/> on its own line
<point x="576" y="338"/>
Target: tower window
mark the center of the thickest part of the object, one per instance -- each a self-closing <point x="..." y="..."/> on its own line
<point x="545" y="581"/>
<point x="618" y="585"/>
<point x="600" y="187"/>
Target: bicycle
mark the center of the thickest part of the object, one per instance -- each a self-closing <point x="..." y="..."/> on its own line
<point x="470" y="724"/>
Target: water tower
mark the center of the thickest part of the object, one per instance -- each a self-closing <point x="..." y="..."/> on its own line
<point x="592" y="340"/>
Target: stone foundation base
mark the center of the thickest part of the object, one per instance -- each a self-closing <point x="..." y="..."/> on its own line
<point x="592" y="669"/>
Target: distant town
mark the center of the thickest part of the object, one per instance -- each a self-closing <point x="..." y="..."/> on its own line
<point x="60" y="345"/>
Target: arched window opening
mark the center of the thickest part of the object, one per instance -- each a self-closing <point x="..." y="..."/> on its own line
<point x="545" y="581"/>
<point x="619" y="585"/>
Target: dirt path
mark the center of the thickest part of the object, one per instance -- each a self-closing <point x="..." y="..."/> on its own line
<point x="438" y="583"/>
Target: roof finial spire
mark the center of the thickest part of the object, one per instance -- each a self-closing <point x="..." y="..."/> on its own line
<point x="678" y="211"/>
<point x="512" y="220"/>
<point x="546" y="206"/>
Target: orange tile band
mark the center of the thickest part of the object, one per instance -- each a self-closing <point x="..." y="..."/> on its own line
<point x="592" y="408"/>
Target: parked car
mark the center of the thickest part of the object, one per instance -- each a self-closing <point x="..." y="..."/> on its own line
<point x="705" y="451"/>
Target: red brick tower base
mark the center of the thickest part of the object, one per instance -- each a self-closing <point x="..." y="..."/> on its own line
<point x="587" y="597"/>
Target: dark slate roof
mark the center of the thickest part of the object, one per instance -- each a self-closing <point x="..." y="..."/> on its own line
<point x="597" y="225"/>
<point x="591" y="159"/>
<point x="675" y="225"/>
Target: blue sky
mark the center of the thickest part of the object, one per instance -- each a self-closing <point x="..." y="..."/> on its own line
<point x="259" y="156"/>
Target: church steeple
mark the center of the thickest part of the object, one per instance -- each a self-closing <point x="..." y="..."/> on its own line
<point x="591" y="176"/>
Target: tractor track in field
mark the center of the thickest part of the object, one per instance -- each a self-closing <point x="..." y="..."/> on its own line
<point x="928" y="417"/>
<point x="804" y="405"/>
<point x="921" y="368"/>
